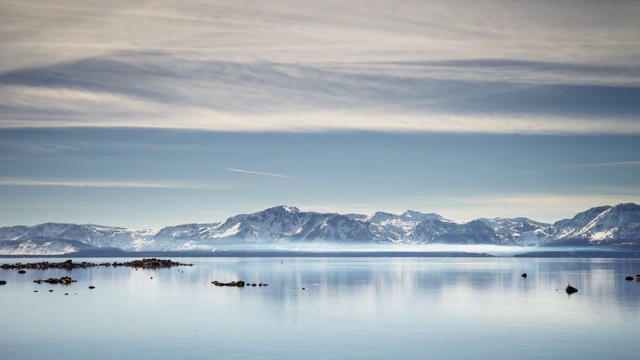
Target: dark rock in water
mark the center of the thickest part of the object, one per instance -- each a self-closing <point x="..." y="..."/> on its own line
<point x="50" y="290"/>
<point x="92" y="287"/>
<point x="3" y="282"/>
<point x="570" y="289"/>
<point x="629" y="278"/>
<point x="253" y="284"/>
<point x="22" y="272"/>
<point x="240" y="283"/>
<point x="65" y="280"/>
<point x="524" y="275"/>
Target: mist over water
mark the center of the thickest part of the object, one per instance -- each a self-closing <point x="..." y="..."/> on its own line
<point x="406" y="249"/>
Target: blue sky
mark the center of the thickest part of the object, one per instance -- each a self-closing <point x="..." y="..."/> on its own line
<point x="159" y="113"/>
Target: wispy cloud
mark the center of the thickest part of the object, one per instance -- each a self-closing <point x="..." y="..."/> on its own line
<point x="5" y="181"/>
<point x="611" y="164"/>
<point x="39" y="32"/>
<point x="261" y="173"/>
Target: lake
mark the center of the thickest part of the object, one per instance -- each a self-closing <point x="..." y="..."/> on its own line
<point x="326" y="308"/>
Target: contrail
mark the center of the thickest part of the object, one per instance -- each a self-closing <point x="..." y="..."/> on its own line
<point x="261" y="173"/>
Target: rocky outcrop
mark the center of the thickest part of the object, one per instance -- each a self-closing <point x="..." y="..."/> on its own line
<point x="238" y="283"/>
<point x="152" y="263"/>
<point x="65" y="280"/>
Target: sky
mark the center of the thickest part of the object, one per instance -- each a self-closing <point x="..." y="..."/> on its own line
<point x="153" y="113"/>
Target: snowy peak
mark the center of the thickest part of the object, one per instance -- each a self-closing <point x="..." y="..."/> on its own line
<point x="411" y="215"/>
<point x="282" y="209"/>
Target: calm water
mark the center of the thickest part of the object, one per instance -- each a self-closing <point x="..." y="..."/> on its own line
<point x="351" y="308"/>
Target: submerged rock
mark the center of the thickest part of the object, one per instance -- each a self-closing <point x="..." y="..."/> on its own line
<point x="3" y="282"/>
<point x="629" y="278"/>
<point x="524" y="275"/>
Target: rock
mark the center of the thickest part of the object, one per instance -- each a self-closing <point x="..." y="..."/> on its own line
<point x="92" y="287"/>
<point x="3" y="282"/>
<point x="240" y="283"/>
<point x="629" y="278"/>
<point x="22" y="272"/>
<point x="65" y="280"/>
<point x="524" y="275"/>
<point x="69" y="264"/>
<point x="570" y="289"/>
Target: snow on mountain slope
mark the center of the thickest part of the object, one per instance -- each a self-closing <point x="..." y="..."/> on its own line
<point x="393" y="228"/>
<point x="93" y="235"/>
<point x="446" y="231"/>
<point x="41" y="246"/>
<point x="600" y="225"/>
<point x="520" y="230"/>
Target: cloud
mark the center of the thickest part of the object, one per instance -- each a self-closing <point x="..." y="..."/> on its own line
<point x="612" y="164"/>
<point x="41" y="33"/>
<point x="261" y="173"/>
<point x="303" y="66"/>
<point x="4" y="181"/>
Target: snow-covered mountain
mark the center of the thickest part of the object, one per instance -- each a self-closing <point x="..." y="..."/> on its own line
<point x="605" y="225"/>
<point x="518" y="231"/>
<point x="60" y="237"/>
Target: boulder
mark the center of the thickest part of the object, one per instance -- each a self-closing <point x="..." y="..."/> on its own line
<point x="570" y="289"/>
<point x="629" y="278"/>
<point x="524" y="275"/>
<point x="3" y="282"/>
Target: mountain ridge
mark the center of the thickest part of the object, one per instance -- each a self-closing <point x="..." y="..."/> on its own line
<point x="617" y="225"/>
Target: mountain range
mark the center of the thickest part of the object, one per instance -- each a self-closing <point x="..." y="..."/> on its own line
<point x="612" y="226"/>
